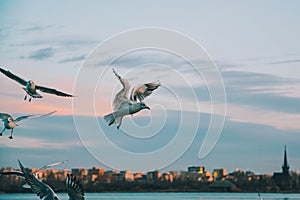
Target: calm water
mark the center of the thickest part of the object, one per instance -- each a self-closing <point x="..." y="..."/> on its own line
<point x="163" y="196"/>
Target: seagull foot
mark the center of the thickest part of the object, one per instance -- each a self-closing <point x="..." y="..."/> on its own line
<point x="11" y="137"/>
<point x="25" y="98"/>
<point x="0" y="134"/>
<point x="29" y="99"/>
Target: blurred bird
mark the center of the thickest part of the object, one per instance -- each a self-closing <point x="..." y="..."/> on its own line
<point x="11" y="123"/>
<point x="124" y="105"/>
<point x="45" y="192"/>
<point x="31" y="88"/>
<point x="21" y="174"/>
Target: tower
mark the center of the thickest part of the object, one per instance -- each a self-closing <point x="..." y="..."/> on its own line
<point x="283" y="179"/>
<point x="285" y="166"/>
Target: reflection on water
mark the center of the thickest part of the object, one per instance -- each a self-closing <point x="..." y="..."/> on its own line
<point x="164" y="196"/>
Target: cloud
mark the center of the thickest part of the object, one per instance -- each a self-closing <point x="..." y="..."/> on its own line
<point x="73" y="59"/>
<point x="253" y="115"/>
<point x="42" y="54"/>
<point x="285" y="61"/>
<point x="36" y="27"/>
<point x="262" y="91"/>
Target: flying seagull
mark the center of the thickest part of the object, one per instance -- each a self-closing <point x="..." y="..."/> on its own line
<point x="45" y="192"/>
<point x="31" y="88"/>
<point x="125" y="105"/>
<point x="10" y="123"/>
<point x="21" y="174"/>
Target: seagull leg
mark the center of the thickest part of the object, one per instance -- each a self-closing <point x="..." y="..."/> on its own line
<point x="25" y="97"/>
<point x="2" y="131"/>
<point x="11" y="132"/>
<point x="30" y="99"/>
<point x="120" y="122"/>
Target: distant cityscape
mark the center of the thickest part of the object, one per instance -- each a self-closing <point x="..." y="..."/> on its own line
<point x="194" y="179"/>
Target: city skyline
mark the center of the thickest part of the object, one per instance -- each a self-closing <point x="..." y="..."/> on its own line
<point x="193" y="178"/>
<point x="254" y="45"/>
<point x="202" y="168"/>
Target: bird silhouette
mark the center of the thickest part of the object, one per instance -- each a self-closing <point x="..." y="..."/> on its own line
<point x="31" y="88"/>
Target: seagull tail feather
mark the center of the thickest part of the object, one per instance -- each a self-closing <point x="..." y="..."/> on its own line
<point x="110" y="119"/>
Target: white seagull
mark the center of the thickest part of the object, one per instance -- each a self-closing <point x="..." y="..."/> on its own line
<point x="21" y="174"/>
<point x="45" y="192"/>
<point x="10" y="123"/>
<point x="31" y="88"/>
<point x="124" y="105"/>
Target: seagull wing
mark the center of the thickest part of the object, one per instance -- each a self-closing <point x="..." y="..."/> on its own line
<point x="15" y="173"/>
<point x="53" y="91"/>
<point x="13" y="77"/>
<point x="5" y="116"/>
<point x="38" y="187"/>
<point x="50" y="165"/>
<point x="140" y="92"/>
<point x="74" y="188"/>
<point x="122" y="96"/>
<point x="32" y="116"/>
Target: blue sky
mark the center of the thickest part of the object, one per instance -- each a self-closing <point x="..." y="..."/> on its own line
<point x="254" y="44"/>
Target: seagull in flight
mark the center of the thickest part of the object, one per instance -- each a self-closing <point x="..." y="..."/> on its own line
<point x="21" y="174"/>
<point x="45" y="192"/>
<point x="125" y="105"/>
<point x="31" y="88"/>
<point x="10" y="123"/>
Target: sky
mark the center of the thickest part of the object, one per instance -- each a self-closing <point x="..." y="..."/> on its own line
<point x="231" y="63"/>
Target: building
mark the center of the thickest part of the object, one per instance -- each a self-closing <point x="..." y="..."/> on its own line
<point x="219" y="174"/>
<point x="168" y="177"/>
<point x="153" y="176"/>
<point x="195" y="173"/>
<point x="95" y="173"/>
<point x="126" y="176"/>
<point x="197" y="169"/>
<point x="283" y="179"/>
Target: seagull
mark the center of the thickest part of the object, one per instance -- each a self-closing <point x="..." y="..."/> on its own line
<point x="124" y="105"/>
<point x="31" y="88"/>
<point x="45" y="192"/>
<point x="10" y="123"/>
<point x="21" y="174"/>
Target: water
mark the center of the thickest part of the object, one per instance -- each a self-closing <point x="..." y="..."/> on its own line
<point x="164" y="196"/>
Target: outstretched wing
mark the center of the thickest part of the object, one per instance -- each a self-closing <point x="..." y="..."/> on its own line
<point x="32" y="116"/>
<point x="13" y="76"/>
<point x="50" y="165"/>
<point x="122" y="96"/>
<point x="140" y="92"/>
<point x="5" y="116"/>
<point x="38" y="187"/>
<point x="14" y="173"/>
<point x="74" y="188"/>
<point x="53" y="91"/>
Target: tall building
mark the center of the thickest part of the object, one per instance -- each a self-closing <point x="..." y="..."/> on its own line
<point x="196" y="169"/>
<point x="283" y="179"/>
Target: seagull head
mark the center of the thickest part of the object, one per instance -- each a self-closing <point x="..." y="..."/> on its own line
<point x="31" y="83"/>
<point x="143" y="106"/>
<point x="10" y="119"/>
